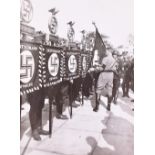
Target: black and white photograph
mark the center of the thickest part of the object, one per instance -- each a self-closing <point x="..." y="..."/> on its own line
<point x="76" y="77"/>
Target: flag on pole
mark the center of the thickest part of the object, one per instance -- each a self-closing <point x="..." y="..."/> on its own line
<point x="99" y="49"/>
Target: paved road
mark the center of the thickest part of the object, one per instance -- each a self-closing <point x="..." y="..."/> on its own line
<point x="87" y="133"/>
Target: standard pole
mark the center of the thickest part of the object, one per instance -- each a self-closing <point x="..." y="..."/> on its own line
<point x="50" y="118"/>
<point x="71" y="99"/>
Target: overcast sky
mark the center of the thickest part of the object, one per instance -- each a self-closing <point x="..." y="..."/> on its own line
<point x="113" y="18"/>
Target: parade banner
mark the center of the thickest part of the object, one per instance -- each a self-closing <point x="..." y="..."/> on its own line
<point x="30" y="67"/>
<point x="99" y="51"/>
<point x="52" y="65"/>
<point x="85" y="62"/>
<point x="72" y="64"/>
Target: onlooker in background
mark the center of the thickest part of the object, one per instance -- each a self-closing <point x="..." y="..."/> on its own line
<point x="126" y="78"/>
<point x="132" y="77"/>
<point x="117" y="76"/>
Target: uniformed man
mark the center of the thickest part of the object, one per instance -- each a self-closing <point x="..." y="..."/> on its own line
<point x="117" y="76"/>
<point x="126" y="78"/>
<point x="132" y="75"/>
<point x="105" y="80"/>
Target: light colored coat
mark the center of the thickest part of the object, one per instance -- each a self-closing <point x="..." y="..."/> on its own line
<point x="105" y="80"/>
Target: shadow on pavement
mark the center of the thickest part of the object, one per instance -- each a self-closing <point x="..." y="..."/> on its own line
<point x="125" y="107"/>
<point x="92" y="142"/>
<point x="116" y="139"/>
<point x="125" y="104"/>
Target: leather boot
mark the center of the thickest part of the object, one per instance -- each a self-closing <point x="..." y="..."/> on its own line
<point x="115" y="100"/>
<point x="60" y="116"/>
<point x="43" y="132"/>
<point x="108" y="107"/>
<point x="96" y="107"/>
<point x="35" y="135"/>
<point x="109" y="103"/>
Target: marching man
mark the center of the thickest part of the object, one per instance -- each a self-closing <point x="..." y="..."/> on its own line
<point x="104" y="84"/>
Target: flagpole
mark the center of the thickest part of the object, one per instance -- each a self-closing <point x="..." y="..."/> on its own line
<point x="97" y="30"/>
<point x="94" y="25"/>
<point x="95" y="85"/>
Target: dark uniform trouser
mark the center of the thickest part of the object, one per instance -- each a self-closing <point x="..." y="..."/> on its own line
<point x="62" y="96"/>
<point x="60" y="93"/>
<point x="36" y="100"/>
<point x="116" y="84"/>
<point x="132" y="85"/>
<point x="76" y="86"/>
<point x="126" y="82"/>
<point x="125" y="86"/>
<point x="87" y="85"/>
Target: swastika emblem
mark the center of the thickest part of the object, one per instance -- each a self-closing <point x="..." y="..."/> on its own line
<point x="26" y="11"/>
<point x="27" y="66"/>
<point x="84" y="63"/>
<point x="53" y="64"/>
<point x="72" y="64"/>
